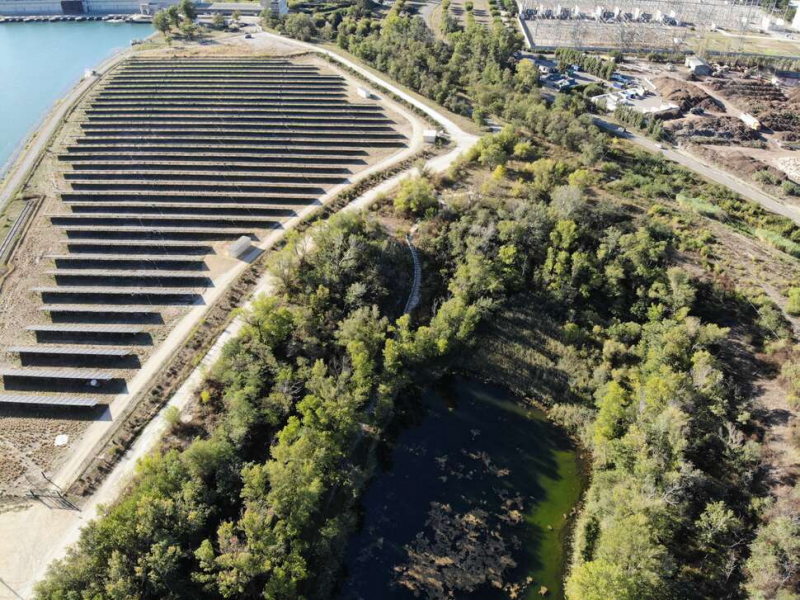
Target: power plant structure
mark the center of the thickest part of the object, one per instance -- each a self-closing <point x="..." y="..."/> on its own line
<point x="635" y="24"/>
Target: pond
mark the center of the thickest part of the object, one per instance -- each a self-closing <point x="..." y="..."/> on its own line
<point x="476" y="501"/>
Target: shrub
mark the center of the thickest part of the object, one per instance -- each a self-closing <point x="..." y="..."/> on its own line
<point x="767" y="177"/>
<point x="592" y="90"/>
<point x="780" y="242"/>
<point x="790" y="188"/>
<point x="415" y="196"/>
<point x="701" y="206"/>
<point x="172" y="416"/>
<point x="793" y="308"/>
<point x="524" y="151"/>
<point x="582" y="178"/>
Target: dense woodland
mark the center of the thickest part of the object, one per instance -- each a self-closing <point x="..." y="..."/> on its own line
<point x="549" y="222"/>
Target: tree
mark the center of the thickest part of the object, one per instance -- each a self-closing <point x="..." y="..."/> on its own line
<point x="174" y="14"/>
<point x="601" y="580"/>
<point x="415" y="196"/>
<point x="774" y="562"/>
<point x="300" y="27"/>
<point x="162" y="22"/>
<point x="188" y="9"/>
<point x="613" y="407"/>
<point x="717" y="525"/>
<point x="189" y="29"/>
<point x="219" y="21"/>
<point x="235" y="16"/>
<point x="479" y="115"/>
<point x="567" y="200"/>
<point x="493" y="155"/>
<point x="527" y="75"/>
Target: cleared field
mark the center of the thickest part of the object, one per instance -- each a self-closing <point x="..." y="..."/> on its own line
<point x="748" y="44"/>
<point x="165" y="163"/>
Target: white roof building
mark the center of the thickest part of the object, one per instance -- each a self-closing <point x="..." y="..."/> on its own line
<point x="697" y="65"/>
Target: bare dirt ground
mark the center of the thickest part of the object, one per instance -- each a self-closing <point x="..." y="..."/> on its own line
<point x="481" y="12"/>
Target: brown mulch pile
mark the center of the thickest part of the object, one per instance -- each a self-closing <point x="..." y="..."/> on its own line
<point x="762" y="99"/>
<point x="686" y="95"/>
<point x="712" y="130"/>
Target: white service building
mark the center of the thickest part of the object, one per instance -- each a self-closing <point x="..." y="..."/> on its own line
<point x="698" y="66"/>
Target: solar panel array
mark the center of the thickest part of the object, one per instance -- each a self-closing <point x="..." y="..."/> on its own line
<point x="172" y="158"/>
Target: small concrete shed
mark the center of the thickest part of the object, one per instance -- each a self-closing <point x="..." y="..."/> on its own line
<point x="698" y="66"/>
<point x="239" y="247"/>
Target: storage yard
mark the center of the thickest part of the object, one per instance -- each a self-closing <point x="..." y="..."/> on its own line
<point x="164" y="167"/>
<point x="742" y="120"/>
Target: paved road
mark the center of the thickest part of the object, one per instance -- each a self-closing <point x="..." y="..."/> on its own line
<point x="425" y="9"/>
<point x="708" y="171"/>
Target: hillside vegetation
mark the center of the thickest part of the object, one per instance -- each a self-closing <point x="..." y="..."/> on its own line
<point x="612" y="287"/>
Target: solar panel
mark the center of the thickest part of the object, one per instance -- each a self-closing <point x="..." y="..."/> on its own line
<point x="123" y="273"/>
<point x="87" y="328"/>
<point x="141" y="243"/>
<point x="155" y="217"/>
<point x="77" y="350"/>
<point x="114" y="229"/>
<point x="98" y="308"/>
<point x="190" y="258"/>
<point x="56" y="373"/>
<point x="47" y="400"/>
<point x="134" y="291"/>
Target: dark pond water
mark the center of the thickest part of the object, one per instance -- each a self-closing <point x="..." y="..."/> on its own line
<point x="475" y="502"/>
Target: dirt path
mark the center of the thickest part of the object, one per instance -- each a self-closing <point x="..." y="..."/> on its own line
<point x="779" y="449"/>
<point x="777" y="418"/>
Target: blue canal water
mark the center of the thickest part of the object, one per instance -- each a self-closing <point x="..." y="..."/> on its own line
<point x="40" y="62"/>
